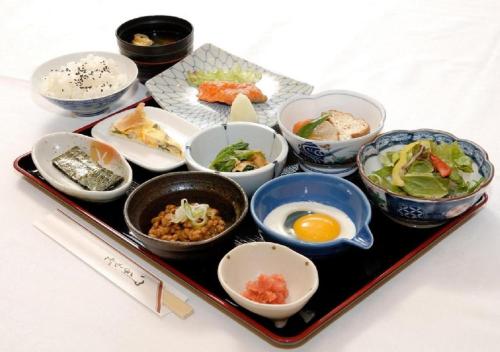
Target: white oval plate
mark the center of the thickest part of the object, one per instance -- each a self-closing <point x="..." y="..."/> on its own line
<point x="55" y="144"/>
<point x="155" y="160"/>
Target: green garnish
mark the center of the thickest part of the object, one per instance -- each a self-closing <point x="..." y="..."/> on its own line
<point x="225" y="160"/>
<point x="306" y="130"/>
<point x="237" y="157"/>
<point x="234" y="74"/>
<point x="193" y="212"/>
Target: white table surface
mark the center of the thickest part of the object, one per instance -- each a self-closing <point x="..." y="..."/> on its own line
<point x="431" y="63"/>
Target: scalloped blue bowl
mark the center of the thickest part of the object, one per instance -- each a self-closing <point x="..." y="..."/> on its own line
<point x="329" y="157"/>
<point x="413" y="211"/>
<point x="326" y="189"/>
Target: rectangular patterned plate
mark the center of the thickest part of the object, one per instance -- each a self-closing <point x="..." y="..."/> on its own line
<point x="172" y="91"/>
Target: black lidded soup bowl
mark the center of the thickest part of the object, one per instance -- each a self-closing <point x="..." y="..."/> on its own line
<point x="151" y="197"/>
<point x="151" y="60"/>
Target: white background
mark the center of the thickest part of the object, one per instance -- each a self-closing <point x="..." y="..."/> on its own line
<point x="431" y="63"/>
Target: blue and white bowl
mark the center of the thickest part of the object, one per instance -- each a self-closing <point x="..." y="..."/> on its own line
<point x="413" y="211"/>
<point x="88" y="106"/>
<point x="326" y="189"/>
<point x="331" y="157"/>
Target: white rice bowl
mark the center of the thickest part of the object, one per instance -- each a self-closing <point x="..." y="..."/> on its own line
<point x="90" y="77"/>
<point x="85" y="83"/>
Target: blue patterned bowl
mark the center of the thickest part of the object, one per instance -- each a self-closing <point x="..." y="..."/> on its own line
<point x="326" y="189"/>
<point x="86" y="107"/>
<point x="331" y="157"/>
<point x="409" y="210"/>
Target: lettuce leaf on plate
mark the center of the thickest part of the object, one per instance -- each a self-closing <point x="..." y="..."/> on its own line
<point x="234" y="74"/>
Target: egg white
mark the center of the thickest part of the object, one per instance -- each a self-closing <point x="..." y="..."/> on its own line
<point x="276" y="218"/>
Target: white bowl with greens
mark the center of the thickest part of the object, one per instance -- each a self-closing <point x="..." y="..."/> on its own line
<point x="235" y="150"/>
<point x="425" y="177"/>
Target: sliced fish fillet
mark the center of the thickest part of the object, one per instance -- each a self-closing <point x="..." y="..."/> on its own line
<point x="226" y="92"/>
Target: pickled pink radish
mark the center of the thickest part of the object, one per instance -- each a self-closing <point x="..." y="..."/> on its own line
<point x="269" y="289"/>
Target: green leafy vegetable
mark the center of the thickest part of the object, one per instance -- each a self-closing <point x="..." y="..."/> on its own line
<point x="457" y="178"/>
<point x="235" y="74"/>
<point x="411" y="171"/>
<point x="426" y="185"/>
<point x="237" y="157"/>
<point x="381" y="177"/>
<point x="442" y="151"/>
<point x="452" y="155"/>
<point x="306" y="130"/>
<point x="407" y="156"/>
<point x="460" y="160"/>
<point x="389" y="158"/>
<point x="421" y="166"/>
<point x="225" y="160"/>
<point x="472" y="186"/>
<point x="384" y="172"/>
<point x="244" y="154"/>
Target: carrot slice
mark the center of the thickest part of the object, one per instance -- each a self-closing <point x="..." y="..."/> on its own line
<point x="298" y="125"/>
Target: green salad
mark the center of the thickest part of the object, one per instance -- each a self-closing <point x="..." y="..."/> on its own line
<point x="234" y="74"/>
<point x="237" y="157"/>
<point x="426" y="169"/>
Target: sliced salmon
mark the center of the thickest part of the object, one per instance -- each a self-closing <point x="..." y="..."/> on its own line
<point x="226" y="92"/>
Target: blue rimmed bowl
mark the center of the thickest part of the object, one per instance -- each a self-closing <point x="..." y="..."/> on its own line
<point x="331" y="157"/>
<point x="326" y="189"/>
<point x="412" y="211"/>
<point x="86" y="106"/>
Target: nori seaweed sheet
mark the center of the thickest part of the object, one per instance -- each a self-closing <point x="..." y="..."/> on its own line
<point x="78" y="166"/>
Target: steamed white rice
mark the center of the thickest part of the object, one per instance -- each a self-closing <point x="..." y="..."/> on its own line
<point x="90" y="77"/>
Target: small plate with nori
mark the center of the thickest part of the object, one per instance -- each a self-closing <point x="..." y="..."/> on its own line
<point x="82" y="167"/>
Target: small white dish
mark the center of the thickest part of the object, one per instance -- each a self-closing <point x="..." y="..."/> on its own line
<point x="155" y="160"/>
<point x="247" y="261"/>
<point x="203" y="148"/>
<point x="55" y="144"/>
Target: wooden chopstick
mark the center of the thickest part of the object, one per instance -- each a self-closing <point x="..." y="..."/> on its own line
<point x="176" y="305"/>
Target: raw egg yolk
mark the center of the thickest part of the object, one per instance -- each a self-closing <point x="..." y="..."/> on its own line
<point x="316" y="228"/>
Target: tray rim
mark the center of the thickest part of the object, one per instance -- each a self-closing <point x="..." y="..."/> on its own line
<point x="220" y="303"/>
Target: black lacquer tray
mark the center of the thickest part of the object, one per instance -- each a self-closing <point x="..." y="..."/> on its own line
<point x="395" y="246"/>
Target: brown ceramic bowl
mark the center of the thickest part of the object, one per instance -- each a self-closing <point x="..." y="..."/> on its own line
<point x="173" y="39"/>
<point x="151" y="197"/>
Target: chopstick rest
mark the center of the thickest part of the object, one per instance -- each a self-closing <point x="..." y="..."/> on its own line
<point x="182" y="309"/>
<point x="82" y="240"/>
